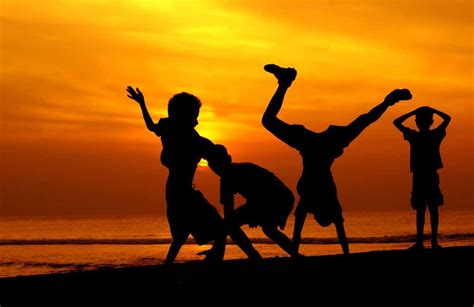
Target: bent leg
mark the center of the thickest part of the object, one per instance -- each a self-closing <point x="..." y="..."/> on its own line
<point x="238" y="218"/>
<point x="300" y="217"/>
<point x="281" y="239"/>
<point x="176" y="244"/>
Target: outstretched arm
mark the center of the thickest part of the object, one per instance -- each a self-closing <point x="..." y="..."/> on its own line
<point x="446" y="118"/>
<point x="138" y="97"/>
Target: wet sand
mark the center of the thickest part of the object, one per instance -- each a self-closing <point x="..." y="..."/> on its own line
<point x="394" y="275"/>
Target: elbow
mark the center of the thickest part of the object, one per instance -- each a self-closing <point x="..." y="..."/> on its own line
<point x="447" y="120"/>
<point x="151" y="128"/>
<point x="267" y="120"/>
<point x="264" y="122"/>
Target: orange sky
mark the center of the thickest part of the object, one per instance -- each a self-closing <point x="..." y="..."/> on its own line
<point x="73" y="143"/>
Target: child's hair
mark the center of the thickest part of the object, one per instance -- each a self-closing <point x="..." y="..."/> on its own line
<point x="184" y="104"/>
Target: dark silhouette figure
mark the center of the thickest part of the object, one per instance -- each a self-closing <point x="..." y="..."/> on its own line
<point x="316" y="187"/>
<point x="268" y="201"/>
<point x="187" y="210"/>
<point x="425" y="160"/>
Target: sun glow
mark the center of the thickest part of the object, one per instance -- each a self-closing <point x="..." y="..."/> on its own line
<point x="65" y="66"/>
<point x="203" y="163"/>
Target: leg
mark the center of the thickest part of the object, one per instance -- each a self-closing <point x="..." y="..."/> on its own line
<point x="420" y="225"/>
<point x="434" y="218"/>
<point x="364" y="120"/>
<point x="217" y="251"/>
<point x="238" y="218"/>
<point x="176" y="244"/>
<point x="300" y="216"/>
<point x="341" y="234"/>
<point x="281" y="239"/>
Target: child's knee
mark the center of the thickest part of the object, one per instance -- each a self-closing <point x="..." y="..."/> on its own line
<point x="433" y="209"/>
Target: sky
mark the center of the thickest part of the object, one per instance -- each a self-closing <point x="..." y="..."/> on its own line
<point x="73" y="143"/>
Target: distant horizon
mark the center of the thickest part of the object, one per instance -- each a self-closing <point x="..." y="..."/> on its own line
<point x="163" y="214"/>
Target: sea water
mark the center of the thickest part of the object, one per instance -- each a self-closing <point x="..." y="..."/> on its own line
<point x="43" y="245"/>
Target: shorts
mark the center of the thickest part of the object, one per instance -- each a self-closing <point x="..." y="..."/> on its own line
<point x="272" y="212"/>
<point x="195" y="216"/>
<point x="426" y="191"/>
<point x="324" y="213"/>
<point x="321" y="200"/>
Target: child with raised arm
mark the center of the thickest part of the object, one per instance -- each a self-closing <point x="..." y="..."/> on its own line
<point x="268" y="201"/>
<point x="316" y="187"/>
<point x="425" y="160"/>
<point x="187" y="210"/>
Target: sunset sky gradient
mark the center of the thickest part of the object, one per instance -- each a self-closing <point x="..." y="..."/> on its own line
<point x="73" y="143"/>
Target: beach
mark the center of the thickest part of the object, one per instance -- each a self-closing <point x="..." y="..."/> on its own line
<point x="47" y="245"/>
<point x="394" y="274"/>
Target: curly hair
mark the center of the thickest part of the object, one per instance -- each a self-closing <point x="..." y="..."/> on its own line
<point x="183" y="104"/>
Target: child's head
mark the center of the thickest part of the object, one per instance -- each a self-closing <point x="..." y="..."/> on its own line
<point x="219" y="160"/>
<point x="183" y="108"/>
<point x="424" y="118"/>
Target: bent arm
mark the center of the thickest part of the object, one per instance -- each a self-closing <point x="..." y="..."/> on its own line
<point x="446" y="118"/>
<point x="399" y="121"/>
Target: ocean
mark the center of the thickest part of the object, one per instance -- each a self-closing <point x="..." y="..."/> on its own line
<point x="43" y="245"/>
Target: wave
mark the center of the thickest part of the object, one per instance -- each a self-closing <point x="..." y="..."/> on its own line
<point x="141" y="241"/>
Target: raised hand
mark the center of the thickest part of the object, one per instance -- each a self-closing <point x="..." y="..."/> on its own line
<point x="397" y="95"/>
<point x="135" y="95"/>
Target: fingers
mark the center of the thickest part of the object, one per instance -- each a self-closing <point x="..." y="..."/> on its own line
<point x="130" y="90"/>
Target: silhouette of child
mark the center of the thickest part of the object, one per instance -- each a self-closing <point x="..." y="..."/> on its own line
<point x="316" y="187"/>
<point x="425" y="160"/>
<point x="269" y="201"/>
<point x="187" y="210"/>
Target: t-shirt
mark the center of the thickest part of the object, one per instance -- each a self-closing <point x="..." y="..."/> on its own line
<point x="319" y="150"/>
<point x="252" y="182"/>
<point x="181" y="149"/>
<point x="424" y="149"/>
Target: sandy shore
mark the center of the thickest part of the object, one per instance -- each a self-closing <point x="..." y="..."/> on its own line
<point x="391" y="274"/>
